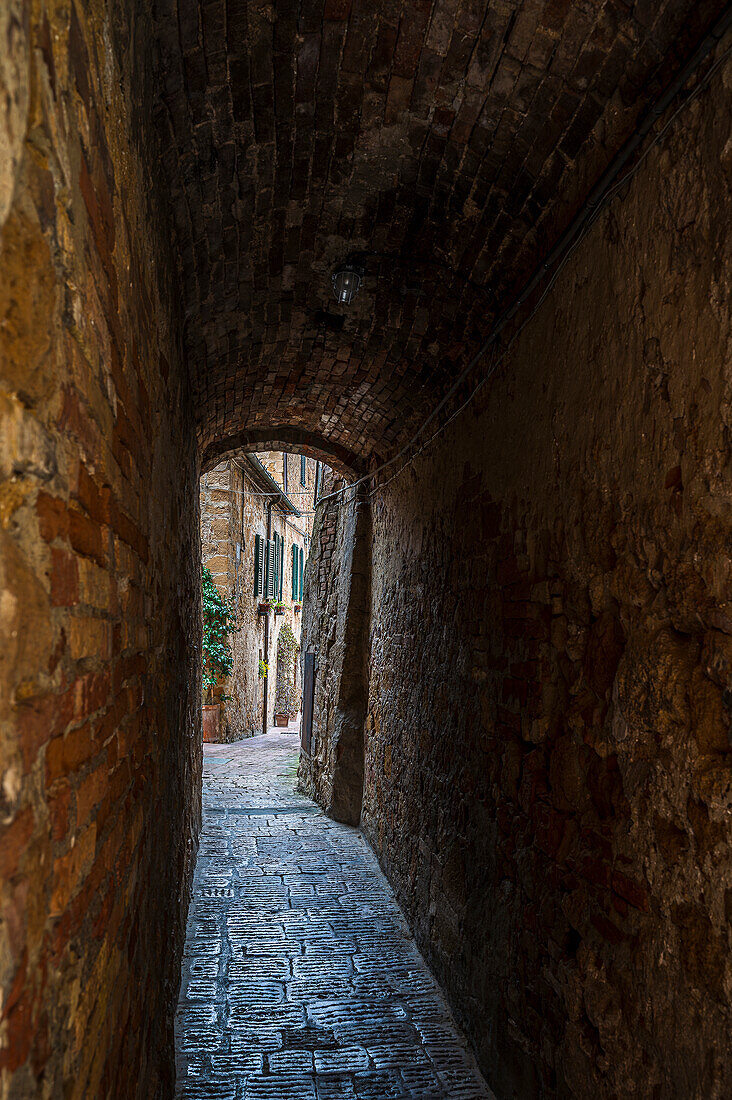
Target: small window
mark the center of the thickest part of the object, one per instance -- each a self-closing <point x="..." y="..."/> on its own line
<point x="303" y="470"/>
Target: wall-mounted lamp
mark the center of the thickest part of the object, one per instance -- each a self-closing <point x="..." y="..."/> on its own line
<point x="347" y="279"/>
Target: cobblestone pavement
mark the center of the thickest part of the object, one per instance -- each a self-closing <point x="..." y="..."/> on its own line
<point x="300" y="979"/>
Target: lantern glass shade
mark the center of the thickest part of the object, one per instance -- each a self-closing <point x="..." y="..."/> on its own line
<point x="346" y="281"/>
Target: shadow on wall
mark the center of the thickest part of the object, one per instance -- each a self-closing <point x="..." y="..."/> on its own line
<point x="336" y="630"/>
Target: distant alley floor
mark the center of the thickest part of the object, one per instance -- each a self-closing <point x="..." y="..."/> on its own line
<point x="300" y="979"/>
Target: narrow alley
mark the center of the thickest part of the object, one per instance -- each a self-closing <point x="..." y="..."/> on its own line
<point x="300" y="978"/>
<point x="369" y="360"/>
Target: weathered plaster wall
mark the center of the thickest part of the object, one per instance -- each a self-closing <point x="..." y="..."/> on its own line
<point x="99" y="715"/>
<point x="548" y="747"/>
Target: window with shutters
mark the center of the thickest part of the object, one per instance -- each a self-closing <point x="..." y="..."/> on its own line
<point x="280" y="565"/>
<point x="303" y="470"/>
<point x="270" y="579"/>
<point x="298" y="567"/>
<point x="259" y="565"/>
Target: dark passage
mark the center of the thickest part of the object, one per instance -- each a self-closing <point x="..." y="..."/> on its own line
<point x="519" y="620"/>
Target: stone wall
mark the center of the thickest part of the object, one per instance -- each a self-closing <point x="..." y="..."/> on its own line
<point x="548" y="776"/>
<point x="99" y="716"/>
<point x="233" y="512"/>
<point x="230" y="520"/>
<point x="302" y="496"/>
<point x="336" y="612"/>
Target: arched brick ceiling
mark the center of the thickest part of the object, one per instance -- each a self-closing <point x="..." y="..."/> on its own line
<point x="460" y="132"/>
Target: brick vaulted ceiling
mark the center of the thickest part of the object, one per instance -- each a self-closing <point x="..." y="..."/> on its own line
<point x="452" y="138"/>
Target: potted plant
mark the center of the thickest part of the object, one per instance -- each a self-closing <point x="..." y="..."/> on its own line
<point x="218" y="624"/>
<point x="264" y="607"/>
<point x="279" y="607"/>
<point x="297" y="608"/>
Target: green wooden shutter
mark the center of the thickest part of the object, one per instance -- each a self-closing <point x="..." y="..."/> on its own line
<point x="281" y="566"/>
<point x="301" y="569"/>
<point x="258" y="563"/>
<point x="294" y="571"/>
<point x="270" y="579"/>
<point x="303" y="470"/>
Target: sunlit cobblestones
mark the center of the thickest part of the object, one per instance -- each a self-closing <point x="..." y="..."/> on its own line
<point x="300" y="979"/>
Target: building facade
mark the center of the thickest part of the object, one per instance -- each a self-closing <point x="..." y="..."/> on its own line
<point x="256" y="523"/>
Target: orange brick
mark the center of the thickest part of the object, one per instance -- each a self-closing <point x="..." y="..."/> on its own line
<point x="66" y="754"/>
<point x="90" y="693"/>
<point x="40" y="719"/>
<point x="91" y="790"/>
<point x="14" y="841"/>
<point x="86" y="537"/>
<point x="70" y="869"/>
<point x="58" y="809"/>
<point x="53" y="517"/>
<point x="90" y="497"/>
<point x="89" y="637"/>
<point x="64" y="578"/>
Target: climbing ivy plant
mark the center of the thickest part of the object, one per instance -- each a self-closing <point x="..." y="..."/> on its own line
<point x="219" y="622"/>
<point x="287" y="699"/>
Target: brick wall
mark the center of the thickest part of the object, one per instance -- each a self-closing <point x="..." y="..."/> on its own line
<point x="548" y="774"/>
<point x="99" y="716"/>
<point x="452" y="140"/>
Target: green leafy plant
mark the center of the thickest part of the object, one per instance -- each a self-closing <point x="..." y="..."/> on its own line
<point x="287" y="700"/>
<point x="263" y="669"/>
<point x="219" y="622"/>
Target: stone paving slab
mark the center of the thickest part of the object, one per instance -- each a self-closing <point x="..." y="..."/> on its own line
<point x="300" y="978"/>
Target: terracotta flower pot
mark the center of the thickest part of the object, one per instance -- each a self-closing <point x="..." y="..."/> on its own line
<point x="281" y="720"/>
<point x="212" y="722"/>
